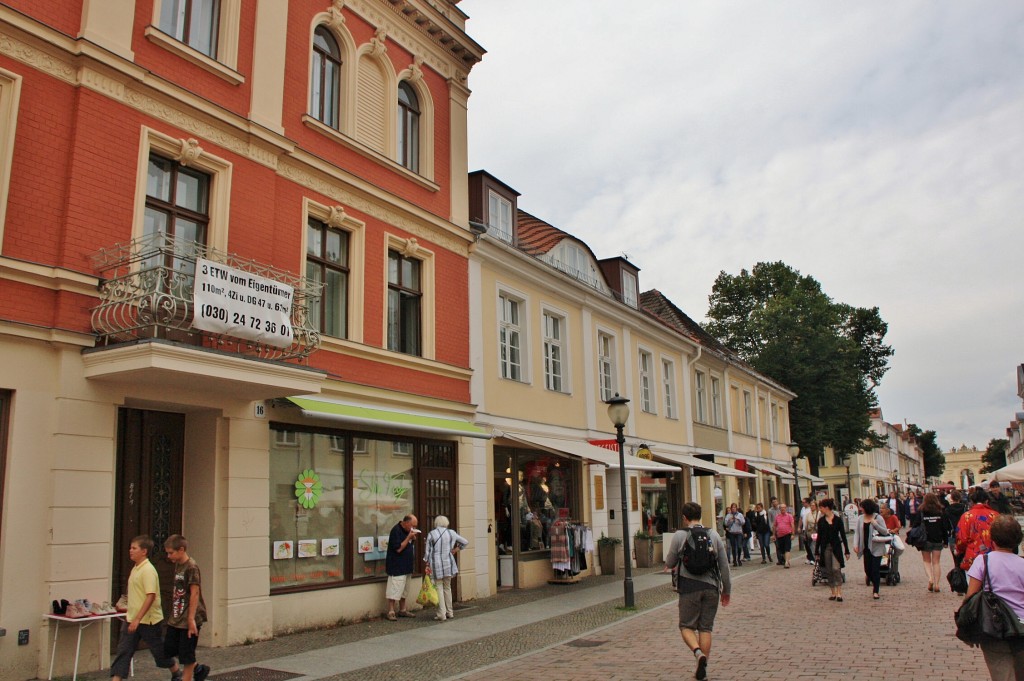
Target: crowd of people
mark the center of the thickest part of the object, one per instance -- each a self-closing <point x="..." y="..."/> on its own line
<point x="978" y="528"/>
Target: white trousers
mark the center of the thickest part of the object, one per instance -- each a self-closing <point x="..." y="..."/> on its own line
<point x="444" y="597"/>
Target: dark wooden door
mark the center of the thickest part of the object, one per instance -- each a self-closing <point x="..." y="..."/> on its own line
<point x="436" y="492"/>
<point x="150" y="454"/>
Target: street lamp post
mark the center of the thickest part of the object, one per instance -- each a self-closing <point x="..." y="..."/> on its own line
<point x="849" y="487"/>
<point x="618" y="412"/>
<point x="794" y="453"/>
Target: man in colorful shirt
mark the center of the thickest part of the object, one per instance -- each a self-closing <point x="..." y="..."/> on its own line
<point x="972" y="535"/>
<point x="188" y="612"/>
<point x="142" y="620"/>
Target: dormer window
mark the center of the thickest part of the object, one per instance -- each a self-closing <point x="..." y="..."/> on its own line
<point x="499" y="216"/>
<point x="629" y="292"/>
<point x="574" y="260"/>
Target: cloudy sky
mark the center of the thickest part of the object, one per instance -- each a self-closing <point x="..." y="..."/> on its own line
<point x="876" y="146"/>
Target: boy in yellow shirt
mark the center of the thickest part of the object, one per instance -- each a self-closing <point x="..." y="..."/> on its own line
<point x="142" y="621"/>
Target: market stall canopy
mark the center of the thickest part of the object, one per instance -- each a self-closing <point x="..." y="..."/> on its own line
<point x="585" y="450"/>
<point x="1012" y="473"/>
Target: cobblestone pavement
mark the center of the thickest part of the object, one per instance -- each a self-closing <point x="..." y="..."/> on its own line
<point x="777" y="627"/>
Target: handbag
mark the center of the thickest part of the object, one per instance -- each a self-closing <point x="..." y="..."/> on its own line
<point x="986" y="617"/>
<point x="917" y="536"/>
<point x="428" y="592"/>
<point x="956" y="577"/>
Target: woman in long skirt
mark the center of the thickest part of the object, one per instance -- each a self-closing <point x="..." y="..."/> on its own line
<point x="832" y="549"/>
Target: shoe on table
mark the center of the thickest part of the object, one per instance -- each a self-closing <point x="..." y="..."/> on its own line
<point x="201" y="672"/>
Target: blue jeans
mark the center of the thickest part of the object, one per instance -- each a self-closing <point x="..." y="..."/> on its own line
<point x="765" y="540"/>
<point x="735" y="547"/>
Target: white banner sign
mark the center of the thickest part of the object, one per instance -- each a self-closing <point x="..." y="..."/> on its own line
<point x="236" y="303"/>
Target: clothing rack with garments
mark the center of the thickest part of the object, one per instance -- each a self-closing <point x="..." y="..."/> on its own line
<point x="570" y="543"/>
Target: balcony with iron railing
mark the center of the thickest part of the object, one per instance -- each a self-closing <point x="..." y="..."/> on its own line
<point x="147" y="290"/>
<point x="239" y="311"/>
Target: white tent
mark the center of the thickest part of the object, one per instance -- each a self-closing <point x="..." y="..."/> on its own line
<point x="1012" y="473"/>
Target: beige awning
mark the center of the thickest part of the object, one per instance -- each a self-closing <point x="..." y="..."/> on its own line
<point x="764" y="468"/>
<point x="694" y="462"/>
<point x="814" y="479"/>
<point x="585" y="450"/>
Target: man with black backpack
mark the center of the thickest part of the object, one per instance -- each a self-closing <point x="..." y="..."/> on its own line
<point x="697" y="556"/>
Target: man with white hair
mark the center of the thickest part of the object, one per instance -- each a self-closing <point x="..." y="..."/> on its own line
<point x="443" y="545"/>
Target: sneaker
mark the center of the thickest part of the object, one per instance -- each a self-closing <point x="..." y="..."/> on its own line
<point x="451" y="616"/>
<point x="200" y="672"/>
<point x="76" y="611"/>
<point x="702" y="668"/>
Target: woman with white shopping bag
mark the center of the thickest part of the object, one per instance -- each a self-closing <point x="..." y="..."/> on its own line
<point x="443" y="545"/>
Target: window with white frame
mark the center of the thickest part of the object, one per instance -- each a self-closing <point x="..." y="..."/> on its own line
<point x="716" y="401"/>
<point x="606" y="365"/>
<point x="325" y="78"/>
<point x="554" y="352"/>
<point x="701" y="403"/>
<point x="668" y="381"/>
<point x="629" y="286"/>
<point x="510" y="337"/>
<point x="408" y="127"/>
<point x="646" y="394"/>
<point x="775" y="422"/>
<point x="748" y="413"/>
<point x="499" y="216"/>
<point x="193" y="22"/>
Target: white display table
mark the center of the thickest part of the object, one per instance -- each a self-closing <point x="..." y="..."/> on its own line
<point x="82" y="623"/>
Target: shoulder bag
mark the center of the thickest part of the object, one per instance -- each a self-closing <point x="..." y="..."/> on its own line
<point x="956" y="577"/>
<point x="917" y="536"/>
<point x="986" y="617"/>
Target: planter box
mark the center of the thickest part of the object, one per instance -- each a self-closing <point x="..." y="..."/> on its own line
<point x="606" y="556"/>
<point x="659" y="552"/>
<point x="644" y="553"/>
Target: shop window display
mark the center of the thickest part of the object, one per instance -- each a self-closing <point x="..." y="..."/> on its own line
<point x="314" y="476"/>
<point x="382" y="475"/>
<point x="307" y="505"/>
<point x="544" y="491"/>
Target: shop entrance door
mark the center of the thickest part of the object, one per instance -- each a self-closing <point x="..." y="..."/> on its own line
<point x="150" y="454"/>
<point x="437" y="492"/>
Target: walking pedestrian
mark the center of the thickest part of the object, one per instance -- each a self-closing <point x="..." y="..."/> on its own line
<point x="188" y="613"/>
<point x="936" y="536"/>
<point x="996" y="499"/>
<point x="699" y="592"/>
<point x="1004" y="659"/>
<point x="972" y="531"/>
<point x="443" y="545"/>
<point x="809" y="527"/>
<point x="398" y="563"/>
<point x="832" y="549"/>
<point x="142" y="620"/>
<point x="782" y="532"/>
<point x="869" y="526"/>
<point x="748" y="533"/>
<point x="952" y="514"/>
<point x="773" y="511"/>
<point x="734" y="523"/>
<point x="764" y="533"/>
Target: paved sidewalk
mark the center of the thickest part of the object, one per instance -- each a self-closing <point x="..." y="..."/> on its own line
<point x="777" y="627"/>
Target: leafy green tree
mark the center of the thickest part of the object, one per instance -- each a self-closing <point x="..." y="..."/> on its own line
<point x="934" y="459"/>
<point x="831" y="355"/>
<point x="994" y="457"/>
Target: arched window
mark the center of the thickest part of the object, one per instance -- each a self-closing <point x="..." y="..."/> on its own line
<point x="408" y="127"/>
<point x="325" y="88"/>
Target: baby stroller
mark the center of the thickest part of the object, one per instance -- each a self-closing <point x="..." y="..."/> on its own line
<point x="890" y="568"/>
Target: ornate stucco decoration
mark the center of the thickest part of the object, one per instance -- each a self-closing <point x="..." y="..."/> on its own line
<point x="377" y="46"/>
<point x="337" y="18"/>
<point x="337" y="217"/>
<point x="411" y="248"/>
<point x="190" y="151"/>
<point x="415" y="70"/>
